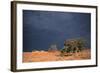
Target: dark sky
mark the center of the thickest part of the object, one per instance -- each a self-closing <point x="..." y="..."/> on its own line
<point x="44" y="28"/>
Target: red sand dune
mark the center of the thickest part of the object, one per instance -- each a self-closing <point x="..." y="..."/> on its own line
<point x="40" y="56"/>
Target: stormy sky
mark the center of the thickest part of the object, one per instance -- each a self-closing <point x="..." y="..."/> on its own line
<point x="41" y="29"/>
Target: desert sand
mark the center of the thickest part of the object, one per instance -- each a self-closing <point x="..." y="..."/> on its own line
<point x="43" y="56"/>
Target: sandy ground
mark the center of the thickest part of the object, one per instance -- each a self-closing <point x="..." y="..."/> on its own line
<point x="42" y="56"/>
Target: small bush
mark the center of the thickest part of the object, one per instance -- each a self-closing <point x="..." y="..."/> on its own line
<point x="72" y="46"/>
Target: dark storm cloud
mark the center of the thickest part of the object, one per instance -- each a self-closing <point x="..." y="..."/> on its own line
<point x="43" y="28"/>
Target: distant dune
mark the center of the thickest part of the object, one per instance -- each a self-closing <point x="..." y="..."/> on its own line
<point x="42" y="56"/>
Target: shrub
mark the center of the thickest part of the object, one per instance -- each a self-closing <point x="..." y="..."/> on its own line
<point x="72" y="46"/>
